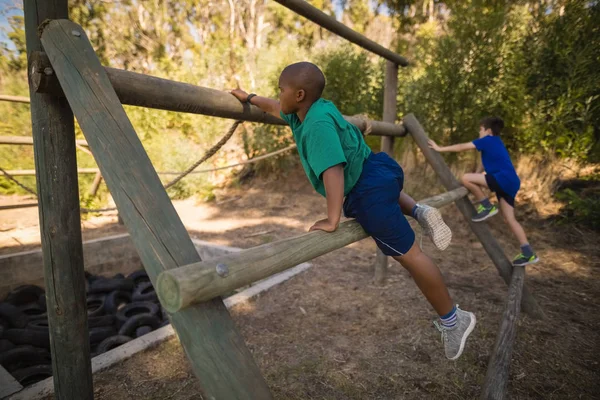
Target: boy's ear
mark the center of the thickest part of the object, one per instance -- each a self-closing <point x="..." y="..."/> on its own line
<point x="300" y="95"/>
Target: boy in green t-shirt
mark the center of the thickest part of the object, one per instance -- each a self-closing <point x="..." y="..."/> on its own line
<point x="339" y="165"/>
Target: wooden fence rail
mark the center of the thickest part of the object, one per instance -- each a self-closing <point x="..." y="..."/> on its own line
<point x="180" y="287"/>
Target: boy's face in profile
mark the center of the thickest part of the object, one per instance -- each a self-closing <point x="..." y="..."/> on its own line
<point x="484" y="132"/>
<point x="287" y="96"/>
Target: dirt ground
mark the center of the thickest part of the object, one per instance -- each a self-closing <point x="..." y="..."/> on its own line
<point x="330" y="333"/>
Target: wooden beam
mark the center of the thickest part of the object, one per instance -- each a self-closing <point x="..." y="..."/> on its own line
<point x="14" y="99"/>
<point x="217" y="353"/>
<point x="60" y="224"/>
<point x="15" y="206"/>
<point x="95" y="184"/>
<point x="180" y="287"/>
<point x="495" y="386"/>
<point x="390" y="107"/>
<point x="480" y="229"/>
<point x="29" y="140"/>
<point x="148" y="91"/>
<point x="331" y="24"/>
<point x="31" y="172"/>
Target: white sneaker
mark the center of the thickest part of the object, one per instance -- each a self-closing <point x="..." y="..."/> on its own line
<point x="434" y="226"/>
<point x="455" y="338"/>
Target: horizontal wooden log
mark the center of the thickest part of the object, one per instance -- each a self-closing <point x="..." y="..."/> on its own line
<point x="14" y="99"/>
<point x="482" y="232"/>
<point x="15" y="206"/>
<point x="152" y="92"/>
<point x="27" y="140"/>
<point x="495" y="386"/>
<point x="331" y="24"/>
<point x="180" y="287"/>
<point x="31" y="172"/>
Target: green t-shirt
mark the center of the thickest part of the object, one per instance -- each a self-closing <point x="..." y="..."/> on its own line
<point x="326" y="139"/>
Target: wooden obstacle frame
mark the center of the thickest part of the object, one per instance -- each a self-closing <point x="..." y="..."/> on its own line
<point x="189" y="287"/>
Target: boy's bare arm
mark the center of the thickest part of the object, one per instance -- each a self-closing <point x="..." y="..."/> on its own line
<point x="333" y="178"/>
<point x="454" y="148"/>
<point x="266" y="104"/>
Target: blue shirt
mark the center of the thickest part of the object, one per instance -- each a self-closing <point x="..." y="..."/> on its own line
<point x="497" y="163"/>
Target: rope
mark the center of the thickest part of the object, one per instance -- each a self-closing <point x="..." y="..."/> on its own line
<point x="9" y="176"/>
<point x="211" y="152"/>
<point x="366" y="122"/>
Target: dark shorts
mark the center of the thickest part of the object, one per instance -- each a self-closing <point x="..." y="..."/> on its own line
<point x="373" y="202"/>
<point x="501" y="194"/>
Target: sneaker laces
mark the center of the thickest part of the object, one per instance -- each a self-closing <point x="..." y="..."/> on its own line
<point x="481" y="208"/>
<point x="443" y="330"/>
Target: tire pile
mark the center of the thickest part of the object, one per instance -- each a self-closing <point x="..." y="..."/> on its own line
<point x="118" y="308"/>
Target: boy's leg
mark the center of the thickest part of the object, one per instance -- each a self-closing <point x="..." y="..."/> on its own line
<point x="475" y="183"/>
<point x="527" y="255"/>
<point x="429" y="218"/>
<point x="456" y="324"/>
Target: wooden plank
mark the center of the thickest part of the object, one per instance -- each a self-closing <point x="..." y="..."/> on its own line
<point x="14" y="99"/>
<point x="495" y="386"/>
<point x="8" y="384"/>
<point x="390" y="107"/>
<point x="481" y="230"/>
<point x="28" y="140"/>
<point x="60" y="225"/>
<point x="180" y="287"/>
<point x="216" y="350"/>
<point x="331" y="24"/>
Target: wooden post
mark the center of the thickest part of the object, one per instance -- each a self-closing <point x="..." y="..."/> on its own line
<point x="495" y="386"/>
<point x="217" y="353"/>
<point x="95" y="184"/>
<point x="390" y="107"/>
<point x="480" y="229"/>
<point x="180" y="287"/>
<point x="60" y="225"/>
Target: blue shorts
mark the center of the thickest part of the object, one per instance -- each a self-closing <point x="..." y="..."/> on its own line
<point x="373" y="202"/>
<point x="500" y="193"/>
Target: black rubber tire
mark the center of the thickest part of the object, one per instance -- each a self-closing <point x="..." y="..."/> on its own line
<point x="103" y="320"/>
<point x="129" y="327"/>
<point x="28" y="336"/>
<point x="40" y="324"/>
<point x="24" y="295"/>
<point x="31" y="375"/>
<point x="138" y="277"/>
<point x="142" y="330"/>
<point x="110" y="285"/>
<point x="111" y="342"/>
<point x="32" y="310"/>
<point x="42" y="302"/>
<point x="24" y="356"/>
<point x="131" y="309"/>
<point x="119" y="276"/>
<point x="6" y="345"/>
<point x="164" y="322"/>
<point x="15" y="317"/>
<point x="144" y="292"/>
<point x="95" y="305"/>
<point x="115" y="300"/>
<point x="100" y="333"/>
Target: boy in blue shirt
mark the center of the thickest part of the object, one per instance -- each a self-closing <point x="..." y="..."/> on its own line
<point x="367" y="186"/>
<point x="500" y="177"/>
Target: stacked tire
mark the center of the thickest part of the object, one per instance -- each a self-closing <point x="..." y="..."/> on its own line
<point x="119" y="309"/>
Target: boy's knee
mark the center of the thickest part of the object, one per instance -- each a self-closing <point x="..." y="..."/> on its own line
<point x="464" y="179"/>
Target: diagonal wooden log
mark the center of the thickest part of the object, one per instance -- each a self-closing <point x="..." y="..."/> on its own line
<point x="495" y="386"/>
<point x="180" y="287"/>
<point x="490" y="244"/>
<point x="219" y="358"/>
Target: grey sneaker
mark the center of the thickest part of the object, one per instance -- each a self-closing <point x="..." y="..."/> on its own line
<point x="484" y="213"/>
<point x="454" y="338"/>
<point x="434" y="226"/>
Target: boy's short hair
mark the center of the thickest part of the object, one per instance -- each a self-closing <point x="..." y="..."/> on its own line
<point x="496" y="124"/>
